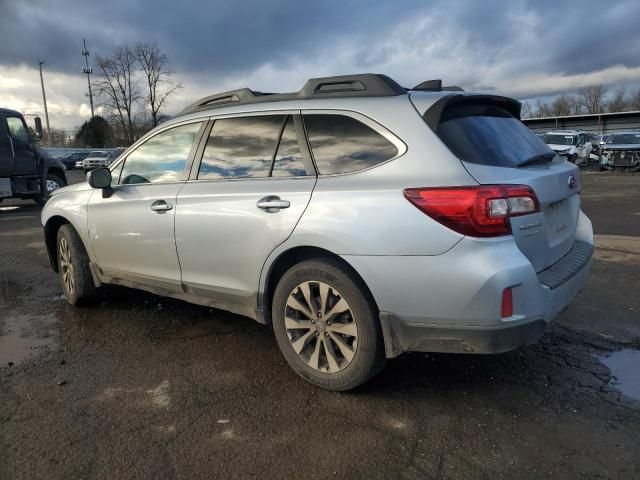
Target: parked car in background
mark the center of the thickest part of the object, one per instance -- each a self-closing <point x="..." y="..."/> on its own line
<point x="358" y="218"/>
<point x="71" y="159"/>
<point x="621" y="151"/>
<point x="115" y="153"/>
<point x="96" y="159"/>
<point x="575" y="145"/>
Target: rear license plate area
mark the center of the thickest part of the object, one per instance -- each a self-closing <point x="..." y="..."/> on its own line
<point x="557" y="218"/>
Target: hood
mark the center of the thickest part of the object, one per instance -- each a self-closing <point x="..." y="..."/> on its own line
<point x="76" y="187"/>
<point x="561" y="148"/>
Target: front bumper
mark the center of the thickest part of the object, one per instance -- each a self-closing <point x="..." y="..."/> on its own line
<point x="621" y="159"/>
<point x="94" y="164"/>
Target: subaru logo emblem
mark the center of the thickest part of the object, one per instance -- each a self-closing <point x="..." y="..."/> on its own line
<point x="572" y="182"/>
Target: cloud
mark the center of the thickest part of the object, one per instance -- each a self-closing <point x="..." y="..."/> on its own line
<point x="524" y="48"/>
<point x="20" y="90"/>
<point x="541" y="84"/>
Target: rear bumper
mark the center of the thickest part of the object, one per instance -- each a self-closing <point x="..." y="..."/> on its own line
<point x="401" y="336"/>
<point x="452" y="302"/>
<point x="567" y="280"/>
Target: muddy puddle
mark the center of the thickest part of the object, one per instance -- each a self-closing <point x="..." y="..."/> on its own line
<point x="24" y="336"/>
<point x="617" y="248"/>
<point x="625" y="369"/>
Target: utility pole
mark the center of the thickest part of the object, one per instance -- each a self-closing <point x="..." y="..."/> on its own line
<point x="46" y="112"/>
<point x="88" y="71"/>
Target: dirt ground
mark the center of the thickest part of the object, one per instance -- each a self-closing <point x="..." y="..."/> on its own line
<point x="138" y="386"/>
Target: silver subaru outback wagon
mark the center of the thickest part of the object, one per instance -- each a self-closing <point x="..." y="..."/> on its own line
<point x="358" y="218"/>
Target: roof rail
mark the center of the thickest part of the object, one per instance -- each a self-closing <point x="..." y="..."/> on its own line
<point x="436" y="86"/>
<point x="359" y="85"/>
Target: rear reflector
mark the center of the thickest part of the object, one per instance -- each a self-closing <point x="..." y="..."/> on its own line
<point x="478" y="211"/>
<point x="507" y="303"/>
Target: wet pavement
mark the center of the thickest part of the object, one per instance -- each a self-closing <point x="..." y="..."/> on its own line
<point x="136" y="386"/>
<point x="625" y="370"/>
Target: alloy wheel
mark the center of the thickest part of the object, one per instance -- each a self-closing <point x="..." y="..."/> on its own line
<point x="52" y="185"/>
<point x="321" y="326"/>
<point x="66" y="265"/>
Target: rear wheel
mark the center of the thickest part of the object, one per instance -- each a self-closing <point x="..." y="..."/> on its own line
<point x="326" y="325"/>
<point x="73" y="266"/>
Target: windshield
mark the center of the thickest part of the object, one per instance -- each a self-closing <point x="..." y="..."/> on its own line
<point x="98" y="154"/>
<point x="488" y="135"/>
<point x="624" y="138"/>
<point x="557" y="139"/>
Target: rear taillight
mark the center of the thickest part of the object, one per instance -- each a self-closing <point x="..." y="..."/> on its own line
<point x="479" y="211"/>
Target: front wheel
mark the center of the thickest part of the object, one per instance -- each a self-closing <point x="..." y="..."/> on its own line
<point x="52" y="182"/>
<point x="73" y="266"/>
<point x="326" y="325"/>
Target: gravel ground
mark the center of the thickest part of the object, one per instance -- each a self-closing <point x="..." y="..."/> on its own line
<point x="138" y="386"/>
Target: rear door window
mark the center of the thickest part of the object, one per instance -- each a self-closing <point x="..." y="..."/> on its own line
<point x="241" y="147"/>
<point x="489" y="135"/>
<point x="342" y="144"/>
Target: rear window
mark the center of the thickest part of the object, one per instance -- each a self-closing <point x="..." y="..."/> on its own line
<point x="342" y="144"/>
<point x="489" y="135"/>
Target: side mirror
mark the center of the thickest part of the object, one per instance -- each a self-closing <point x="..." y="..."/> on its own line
<point x="101" y="178"/>
<point x="38" y="124"/>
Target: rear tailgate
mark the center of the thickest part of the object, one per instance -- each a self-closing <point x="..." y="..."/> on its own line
<point x="496" y="148"/>
<point x="547" y="236"/>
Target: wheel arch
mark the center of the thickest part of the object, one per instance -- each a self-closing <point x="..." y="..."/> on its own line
<point x="57" y="171"/>
<point x="51" y="228"/>
<point x="286" y="260"/>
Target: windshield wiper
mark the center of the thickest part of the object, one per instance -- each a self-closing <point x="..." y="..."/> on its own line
<point x="539" y="158"/>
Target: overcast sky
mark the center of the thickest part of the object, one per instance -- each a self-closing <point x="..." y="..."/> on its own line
<point x="520" y="48"/>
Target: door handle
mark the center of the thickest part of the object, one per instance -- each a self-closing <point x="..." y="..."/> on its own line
<point x="160" y="206"/>
<point x="273" y="203"/>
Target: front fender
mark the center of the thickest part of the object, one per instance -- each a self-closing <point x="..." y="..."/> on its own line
<point x="68" y="206"/>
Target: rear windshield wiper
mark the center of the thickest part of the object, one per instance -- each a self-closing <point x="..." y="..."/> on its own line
<point x="536" y="159"/>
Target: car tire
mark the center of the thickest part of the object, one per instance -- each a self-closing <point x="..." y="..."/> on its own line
<point x="341" y="350"/>
<point x="73" y="266"/>
<point x="50" y="180"/>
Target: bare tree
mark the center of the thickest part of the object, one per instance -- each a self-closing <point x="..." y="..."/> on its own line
<point x="542" y="109"/>
<point x="634" y="101"/>
<point x="118" y="86"/>
<point x="618" y="102"/>
<point x="563" y="105"/>
<point x="593" y="98"/>
<point x="153" y="64"/>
